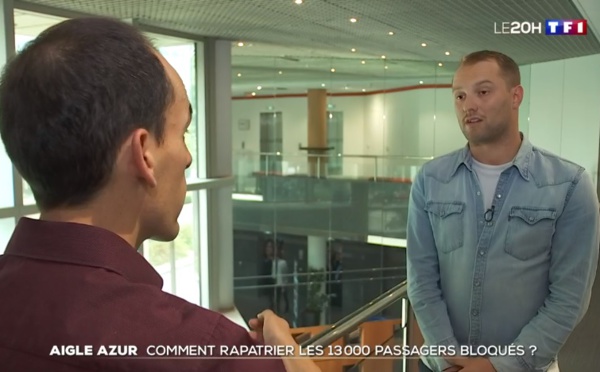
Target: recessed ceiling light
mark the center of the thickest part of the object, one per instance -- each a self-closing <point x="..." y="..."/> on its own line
<point x="322" y="84"/>
<point x="421" y="82"/>
<point x="259" y="87"/>
<point x="391" y="33"/>
<point x="280" y="72"/>
<point x="333" y="70"/>
<point x="353" y="20"/>
<point x="253" y="93"/>
<point x="447" y="53"/>
<point x="346" y="88"/>
<point x="239" y="74"/>
<point x="353" y="50"/>
<point x="298" y="2"/>
<point x="385" y="67"/>
<point x="363" y="62"/>
<point x="240" y="44"/>
<point x="364" y="90"/>
<point x="382" y="57"/>
<point x="440" y="64"/>
<point x="423" y="44"/>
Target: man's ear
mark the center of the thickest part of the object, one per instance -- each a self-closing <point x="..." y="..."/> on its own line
<point x="142" y="145"/>
<point x="517" y="96"/>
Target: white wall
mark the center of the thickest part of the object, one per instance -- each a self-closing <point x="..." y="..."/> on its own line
<point x="560" y="113"/>
<point x="295" y="132"/>
<point x="565" y="109"/>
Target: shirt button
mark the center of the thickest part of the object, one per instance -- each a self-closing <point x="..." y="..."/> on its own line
<point x="474" y="312"/>
<point x="482" y="252"/>
<point x="531" y="219"/>
<point x="477" y="283"/>
<point x="490" y="223"/>
<point x="499" y="196"/>
<point x="478" y="192"/>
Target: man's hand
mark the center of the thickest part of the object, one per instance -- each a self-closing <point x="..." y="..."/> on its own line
<point x="270" y="329"/>
<point x="472" y="364"/>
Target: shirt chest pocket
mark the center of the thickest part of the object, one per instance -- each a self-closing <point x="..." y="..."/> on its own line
<point x="530" y="231"/>
<point x="447" y="222"/>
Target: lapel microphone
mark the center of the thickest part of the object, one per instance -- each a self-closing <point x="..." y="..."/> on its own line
<point x="489" y="214"/>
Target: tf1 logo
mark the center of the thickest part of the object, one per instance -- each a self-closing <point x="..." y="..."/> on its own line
<point x="566" y="27"/>
<point x="552" y="26"/>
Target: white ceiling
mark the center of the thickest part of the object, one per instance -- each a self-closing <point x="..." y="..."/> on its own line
<point x="289" y="48"/>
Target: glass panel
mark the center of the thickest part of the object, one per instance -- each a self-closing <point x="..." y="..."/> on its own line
<point x="342" y="237"/>
<point x="6" y="180"/>
<point x="177" y="261"/>
<point x="183" y="59"/>
<point x="271" y="141"/>
<point x="7" y="225"/>
<point x="340" y="215"/>
<point x="22" y="40"/>
<point x="28" y="198"/>
<point x="27" y="26"/>
<point x="335" y="140"/>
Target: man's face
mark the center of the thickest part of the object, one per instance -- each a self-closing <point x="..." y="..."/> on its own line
<point x="172" y="159"/>
<point x="484" y="102"/>
<point x="269" y="249"/>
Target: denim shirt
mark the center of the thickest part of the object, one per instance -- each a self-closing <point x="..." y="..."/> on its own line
<point x="522" y="276"/>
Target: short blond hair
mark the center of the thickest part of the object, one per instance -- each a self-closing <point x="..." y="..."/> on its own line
<point x="508" y="67"/>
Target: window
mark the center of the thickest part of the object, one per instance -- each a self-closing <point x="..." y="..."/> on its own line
<point x="177" y="261"/>
<point x="7" y="225"/>
<point x="183" y="59"/>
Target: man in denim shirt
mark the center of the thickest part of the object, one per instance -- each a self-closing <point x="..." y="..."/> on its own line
<point x="502" y="236"/>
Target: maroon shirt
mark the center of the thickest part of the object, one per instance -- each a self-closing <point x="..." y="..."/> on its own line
<point x="72" y="284"/>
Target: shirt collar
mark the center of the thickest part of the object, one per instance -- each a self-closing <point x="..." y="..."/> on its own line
<point x="80" y="244"/>
<point x="521" y="160"/>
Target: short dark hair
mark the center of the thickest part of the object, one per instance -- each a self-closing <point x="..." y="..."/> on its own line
<point x="508" y="67"/>
<point x="70" y="99"/>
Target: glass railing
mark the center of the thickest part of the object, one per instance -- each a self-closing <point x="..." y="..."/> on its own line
<point x="344" y="326"/>
<point x="338" y="223"/>
<point x="317" y="297"/>
<point x="361" y="342"/>
<point x="252" y="168"/>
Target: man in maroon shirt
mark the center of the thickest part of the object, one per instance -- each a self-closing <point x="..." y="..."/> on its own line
<point x="94" y="119"/>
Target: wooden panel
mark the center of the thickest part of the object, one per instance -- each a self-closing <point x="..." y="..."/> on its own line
<point x="329" y="365"/>
<point x="371" y="334"/>
<point x="376" y="333"/>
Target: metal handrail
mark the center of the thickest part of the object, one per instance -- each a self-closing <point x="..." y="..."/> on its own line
<point x="373" y="269"/>
<point x="365" y="156"/>
<point x="369" y="279"/>
<point x="349" y="323"/>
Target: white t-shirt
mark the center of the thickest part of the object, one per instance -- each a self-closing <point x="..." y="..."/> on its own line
<point x="488" y="176"/>
<point x="280" y="269"/>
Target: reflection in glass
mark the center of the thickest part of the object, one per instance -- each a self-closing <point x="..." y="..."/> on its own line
<point x="271" y="141"/>
<point x="335" y="140"/>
